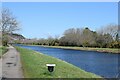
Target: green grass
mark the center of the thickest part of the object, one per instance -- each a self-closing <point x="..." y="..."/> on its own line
<point x="109" y="50"/>
<point x="3" y="50"/>
<point x="34" y="66"/>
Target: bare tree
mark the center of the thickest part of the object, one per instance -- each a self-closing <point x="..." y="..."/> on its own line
<point x="111" y="29"/>
<point x="8" y="23"/>
<point x="72" y="37"/>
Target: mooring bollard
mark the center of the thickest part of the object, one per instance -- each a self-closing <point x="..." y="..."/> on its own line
<point x="50" y="67"/>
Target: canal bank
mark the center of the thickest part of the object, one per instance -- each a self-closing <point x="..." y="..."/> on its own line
<point x="91" y="61"/>
<point x="105" y="50"/>
<point x="34" y="66"/>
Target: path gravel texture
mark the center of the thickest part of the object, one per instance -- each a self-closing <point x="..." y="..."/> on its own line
<point x="10" y="64"/>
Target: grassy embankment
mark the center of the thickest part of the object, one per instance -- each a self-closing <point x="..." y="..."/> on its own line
<point x="34" y="66"/>
<point x="3" y="50"/>
<point x="109" y="50"/>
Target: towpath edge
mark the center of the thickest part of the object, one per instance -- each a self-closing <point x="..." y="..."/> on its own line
<point x="11" y="64"/>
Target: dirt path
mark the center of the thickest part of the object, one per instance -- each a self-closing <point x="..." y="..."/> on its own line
<point x="11" y="65"/>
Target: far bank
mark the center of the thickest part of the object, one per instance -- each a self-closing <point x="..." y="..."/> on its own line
<point x="105" y="50"/>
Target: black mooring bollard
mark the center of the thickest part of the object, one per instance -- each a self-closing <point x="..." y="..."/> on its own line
<point x="50" y="67"/>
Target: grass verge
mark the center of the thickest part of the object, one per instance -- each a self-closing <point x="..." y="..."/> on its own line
<point x="3" y="50"/>
<point x="34" y="66"/>
<point x="107" y="50"/>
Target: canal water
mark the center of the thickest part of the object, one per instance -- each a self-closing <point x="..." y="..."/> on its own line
<point x="103" y="64"/>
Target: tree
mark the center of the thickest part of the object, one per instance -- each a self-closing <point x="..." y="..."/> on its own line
<point x="111" y="29"/>
<point x="71" y="37"/>
<point x="88" y="38"/>
<point x="117" y="37"/>
<point x="5" y="40"/>
<point x="104" y="40"/>
<point x="8" y="23"/>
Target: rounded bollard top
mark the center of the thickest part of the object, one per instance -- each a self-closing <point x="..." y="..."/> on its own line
<point x="50" y="65"/>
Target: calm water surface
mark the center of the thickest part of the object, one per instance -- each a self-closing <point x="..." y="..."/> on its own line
<point x="103" y="64"/>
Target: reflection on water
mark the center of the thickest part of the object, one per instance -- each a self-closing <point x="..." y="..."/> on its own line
<point x="103" y="64"/>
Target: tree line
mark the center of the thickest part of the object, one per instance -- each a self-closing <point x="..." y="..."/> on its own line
<point x="83" y="37"/>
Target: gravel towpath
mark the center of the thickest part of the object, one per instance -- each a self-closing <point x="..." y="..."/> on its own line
<point x="11" y="65"/>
